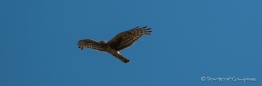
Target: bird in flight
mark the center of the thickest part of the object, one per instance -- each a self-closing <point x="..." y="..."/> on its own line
<point x="119" y="42"/>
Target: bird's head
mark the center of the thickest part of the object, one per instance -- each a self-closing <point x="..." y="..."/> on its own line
<point x="103" y="42"/>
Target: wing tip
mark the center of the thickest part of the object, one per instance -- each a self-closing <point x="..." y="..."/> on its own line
<point x="126" y="61"/>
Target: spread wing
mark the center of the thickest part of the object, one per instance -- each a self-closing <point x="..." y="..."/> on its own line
<point x="92" y="44"/>
<point x="127" y="38"/>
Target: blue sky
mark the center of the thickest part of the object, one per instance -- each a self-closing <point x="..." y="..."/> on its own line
<point x="190" y="39"/>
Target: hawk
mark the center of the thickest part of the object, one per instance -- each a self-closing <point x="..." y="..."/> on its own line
<point x="119" y="42"/>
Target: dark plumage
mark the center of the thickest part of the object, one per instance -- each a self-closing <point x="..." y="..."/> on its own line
<point x="119" y="42"/>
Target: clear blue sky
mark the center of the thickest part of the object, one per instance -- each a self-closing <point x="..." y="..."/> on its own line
<point x="190" y="39"/>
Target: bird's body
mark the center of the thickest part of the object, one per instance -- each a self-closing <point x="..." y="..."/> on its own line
<point x="119" y="42"/>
